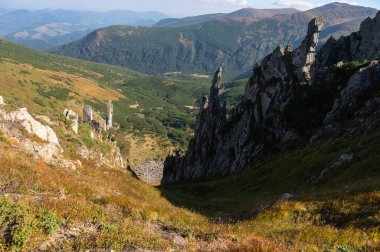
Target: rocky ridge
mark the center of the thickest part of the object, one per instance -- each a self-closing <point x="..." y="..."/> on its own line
<point x="292" y="95"/>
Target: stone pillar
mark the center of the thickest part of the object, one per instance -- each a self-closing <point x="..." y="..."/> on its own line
<point x="109" y="115"/>
<point x="73" y="118"/>
<point x="87" y="114"/>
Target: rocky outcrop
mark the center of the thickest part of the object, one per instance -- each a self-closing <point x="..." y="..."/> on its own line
<point x="73" y="118"/>
<point x="23" y="131"/>
<point x="278" y="108"/>
<point x="32" y="126"/>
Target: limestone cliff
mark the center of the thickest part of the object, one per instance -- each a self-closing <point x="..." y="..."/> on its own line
<point x="292" y="96"/>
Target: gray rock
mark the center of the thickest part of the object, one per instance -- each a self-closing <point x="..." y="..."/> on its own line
<point x="73" y="118"/>
<point x="87" y="114"/>
<point x="304" y="56"/>
<point x="32" y="126"/>
<point x="109" y="115"/>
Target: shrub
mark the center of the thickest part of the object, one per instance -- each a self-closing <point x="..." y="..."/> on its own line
<point x="48" y="221"/>
<point x="16" y="223"/>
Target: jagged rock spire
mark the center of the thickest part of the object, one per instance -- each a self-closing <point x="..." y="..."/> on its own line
<point x="304" y="56"/>
<point x="215" y="87"/>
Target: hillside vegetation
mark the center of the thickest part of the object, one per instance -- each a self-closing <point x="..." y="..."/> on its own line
<point x="98" y="208"/>
<point x="161" y="107"/>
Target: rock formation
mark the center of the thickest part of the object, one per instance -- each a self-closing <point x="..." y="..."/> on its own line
<point x="24" y="131"/>
<point x="87" y="114"/>
<point x="73" y="118"/>
<point x="278" y="109"/>
<point x="21" y="116"/>
<point x="109" y="115"/>
<point x="304" y="56"/>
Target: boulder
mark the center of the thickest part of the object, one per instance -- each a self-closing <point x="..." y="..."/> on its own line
<point x="32" y="126"/>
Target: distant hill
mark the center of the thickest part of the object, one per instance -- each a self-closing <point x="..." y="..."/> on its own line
<point x="243" y="13"/>
<point x="235" y="43"/>
<point x="44" y="29"/>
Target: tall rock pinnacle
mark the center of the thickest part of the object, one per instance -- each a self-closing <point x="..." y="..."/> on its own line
<point x="304" y="56"/>
<point x="109" y="115"/>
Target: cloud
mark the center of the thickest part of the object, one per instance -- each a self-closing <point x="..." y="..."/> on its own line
<point x="299" y="4"/>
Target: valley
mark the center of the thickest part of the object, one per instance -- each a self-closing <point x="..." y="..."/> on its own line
<point x="245" y="130"/>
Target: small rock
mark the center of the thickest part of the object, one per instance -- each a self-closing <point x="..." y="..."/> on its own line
<point x="287" y="197"/>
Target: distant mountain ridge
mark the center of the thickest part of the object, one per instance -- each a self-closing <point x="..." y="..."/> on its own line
<point x="243" y="13"/>
<point x="235" y="43"/>
<point x="43" y="29"/>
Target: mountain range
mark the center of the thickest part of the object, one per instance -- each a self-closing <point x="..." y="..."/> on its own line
<point x="43" y="29"/>
<point x="237" y="43"/>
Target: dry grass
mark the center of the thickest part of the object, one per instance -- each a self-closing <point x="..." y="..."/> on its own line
<point x="19" y="78"/>
<point x="110" y="209"/>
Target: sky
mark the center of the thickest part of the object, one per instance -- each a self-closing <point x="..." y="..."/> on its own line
<point x="174" y="7"/>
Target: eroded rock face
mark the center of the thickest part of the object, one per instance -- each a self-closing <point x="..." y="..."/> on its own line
<point x="276" y="102"/>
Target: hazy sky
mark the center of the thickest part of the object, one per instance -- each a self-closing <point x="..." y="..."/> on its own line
<point x="174" y="7"/>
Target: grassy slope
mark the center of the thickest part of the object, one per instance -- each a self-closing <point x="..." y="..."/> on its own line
<point x="144" y="105"/>
<point x="344" y="200"/>
<point x="110" y="209"/>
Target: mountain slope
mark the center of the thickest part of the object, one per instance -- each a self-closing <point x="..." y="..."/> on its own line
<point x="236" y="44"/>
<point x="156" y="110"/>
<point x="56" y="27"/>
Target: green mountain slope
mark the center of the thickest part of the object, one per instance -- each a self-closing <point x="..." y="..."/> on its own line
<point x="201" y="48"/>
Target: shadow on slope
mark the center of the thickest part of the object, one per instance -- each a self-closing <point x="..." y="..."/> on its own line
<point x="297" y="172"/>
